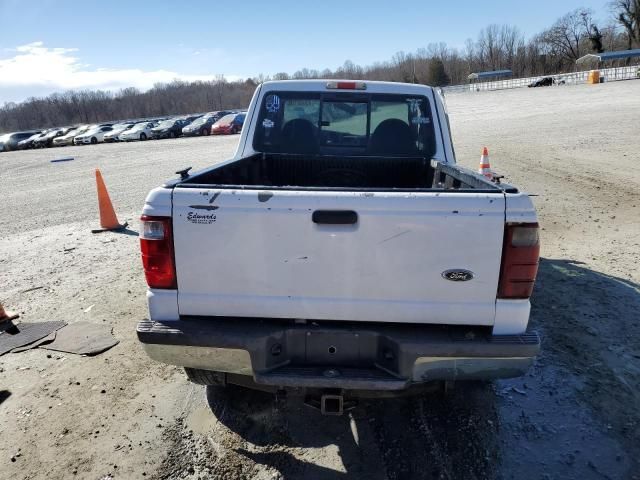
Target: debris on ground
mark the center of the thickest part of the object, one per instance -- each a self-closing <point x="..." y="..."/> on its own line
<point x="48" y="339"/>
<point x="32" y="289"/>
<point x="26" y="333"/>
<point x="83" y="338"/>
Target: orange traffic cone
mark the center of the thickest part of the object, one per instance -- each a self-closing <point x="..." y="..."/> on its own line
<point x="108" y="219"/>
<point x="6" y="315"/>
<point x="485" y="167"/>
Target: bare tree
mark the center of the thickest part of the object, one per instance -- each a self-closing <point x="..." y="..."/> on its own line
<point x="487" y="47"/>
<point x="566" y="37"/>
<point x="627" y="13"/>
<point x="592" y="31"/>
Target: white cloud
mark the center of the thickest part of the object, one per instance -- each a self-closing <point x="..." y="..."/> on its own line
<point x="37" y="70"/>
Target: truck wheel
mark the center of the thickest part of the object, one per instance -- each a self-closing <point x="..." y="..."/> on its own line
<point x="206" y="377"/>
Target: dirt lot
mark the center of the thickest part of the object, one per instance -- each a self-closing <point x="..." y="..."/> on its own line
<point x="119" y="415"/>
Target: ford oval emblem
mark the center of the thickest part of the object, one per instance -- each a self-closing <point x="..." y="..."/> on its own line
<point x="457" y="275"/>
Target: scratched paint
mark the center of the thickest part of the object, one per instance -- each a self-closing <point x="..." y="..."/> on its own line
<point x="213" y="198"/>
<point x="264" y="196"/>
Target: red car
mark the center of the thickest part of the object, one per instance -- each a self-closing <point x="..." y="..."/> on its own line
<point x="228" y="124"/>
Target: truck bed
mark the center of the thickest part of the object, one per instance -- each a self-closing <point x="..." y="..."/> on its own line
<point x="280" y="170"/>
<point x="343" y="173"/>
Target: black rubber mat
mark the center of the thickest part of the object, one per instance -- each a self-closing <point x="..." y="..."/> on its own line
<point x="83" y="338"/>
<point x="48" y="339"/>
<point x="25" y="333"/>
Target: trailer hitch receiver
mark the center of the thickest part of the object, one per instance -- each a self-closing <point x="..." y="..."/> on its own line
<point x="332" y="404"/>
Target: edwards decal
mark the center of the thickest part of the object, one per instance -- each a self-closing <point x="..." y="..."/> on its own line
<point x="201" y="218"/>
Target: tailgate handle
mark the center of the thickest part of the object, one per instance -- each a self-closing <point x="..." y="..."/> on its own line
<point x="335" y="217"/>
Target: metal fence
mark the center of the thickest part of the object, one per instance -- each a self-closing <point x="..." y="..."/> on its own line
<point x="606" y="75"/>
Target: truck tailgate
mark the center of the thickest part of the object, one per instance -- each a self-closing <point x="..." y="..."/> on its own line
<point x="249" y="253"/>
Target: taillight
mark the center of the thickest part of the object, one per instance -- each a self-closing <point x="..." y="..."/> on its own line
<point x="520" y="254"/>
<point x="156" y="244"/>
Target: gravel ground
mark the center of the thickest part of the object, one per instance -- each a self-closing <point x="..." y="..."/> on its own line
<point x="575" y="415"/>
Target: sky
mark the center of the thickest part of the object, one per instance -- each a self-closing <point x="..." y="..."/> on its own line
<point x="56" y="45"/>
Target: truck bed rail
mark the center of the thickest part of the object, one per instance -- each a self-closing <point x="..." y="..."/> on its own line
<point x="446" y="177"/>
<point x="449" y="177"/>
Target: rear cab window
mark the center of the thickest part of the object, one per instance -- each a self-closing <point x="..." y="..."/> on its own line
<point x="345" y="123"/>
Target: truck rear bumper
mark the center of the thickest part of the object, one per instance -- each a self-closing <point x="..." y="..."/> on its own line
<point x="354" y="356"/>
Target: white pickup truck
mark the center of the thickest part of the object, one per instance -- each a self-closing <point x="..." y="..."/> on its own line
<point x="340" y="252"/>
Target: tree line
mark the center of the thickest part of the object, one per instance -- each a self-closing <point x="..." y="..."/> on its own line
<point x="496" y="47"/>
<point x="92" y="106"/>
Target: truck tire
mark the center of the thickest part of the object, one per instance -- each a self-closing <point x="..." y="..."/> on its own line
<point x="206" y="377"/>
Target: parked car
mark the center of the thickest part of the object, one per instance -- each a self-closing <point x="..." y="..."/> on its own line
<point x="10" y="141"/>
<point x="202" y="125"/>
<point x="28" y="142"/>
<point x="118" y="128"/>
<point x="46" y="141"/>
<point x="67" y="139"/>
<point x="3" y="139"/>
<point x="542" y="82"/>
<point x="93" y="135"/>
<point x="140" y="131"/>
<point x="228" y="124"/>
<point x="169" y="128"/>
<point x="356" y="271"/>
